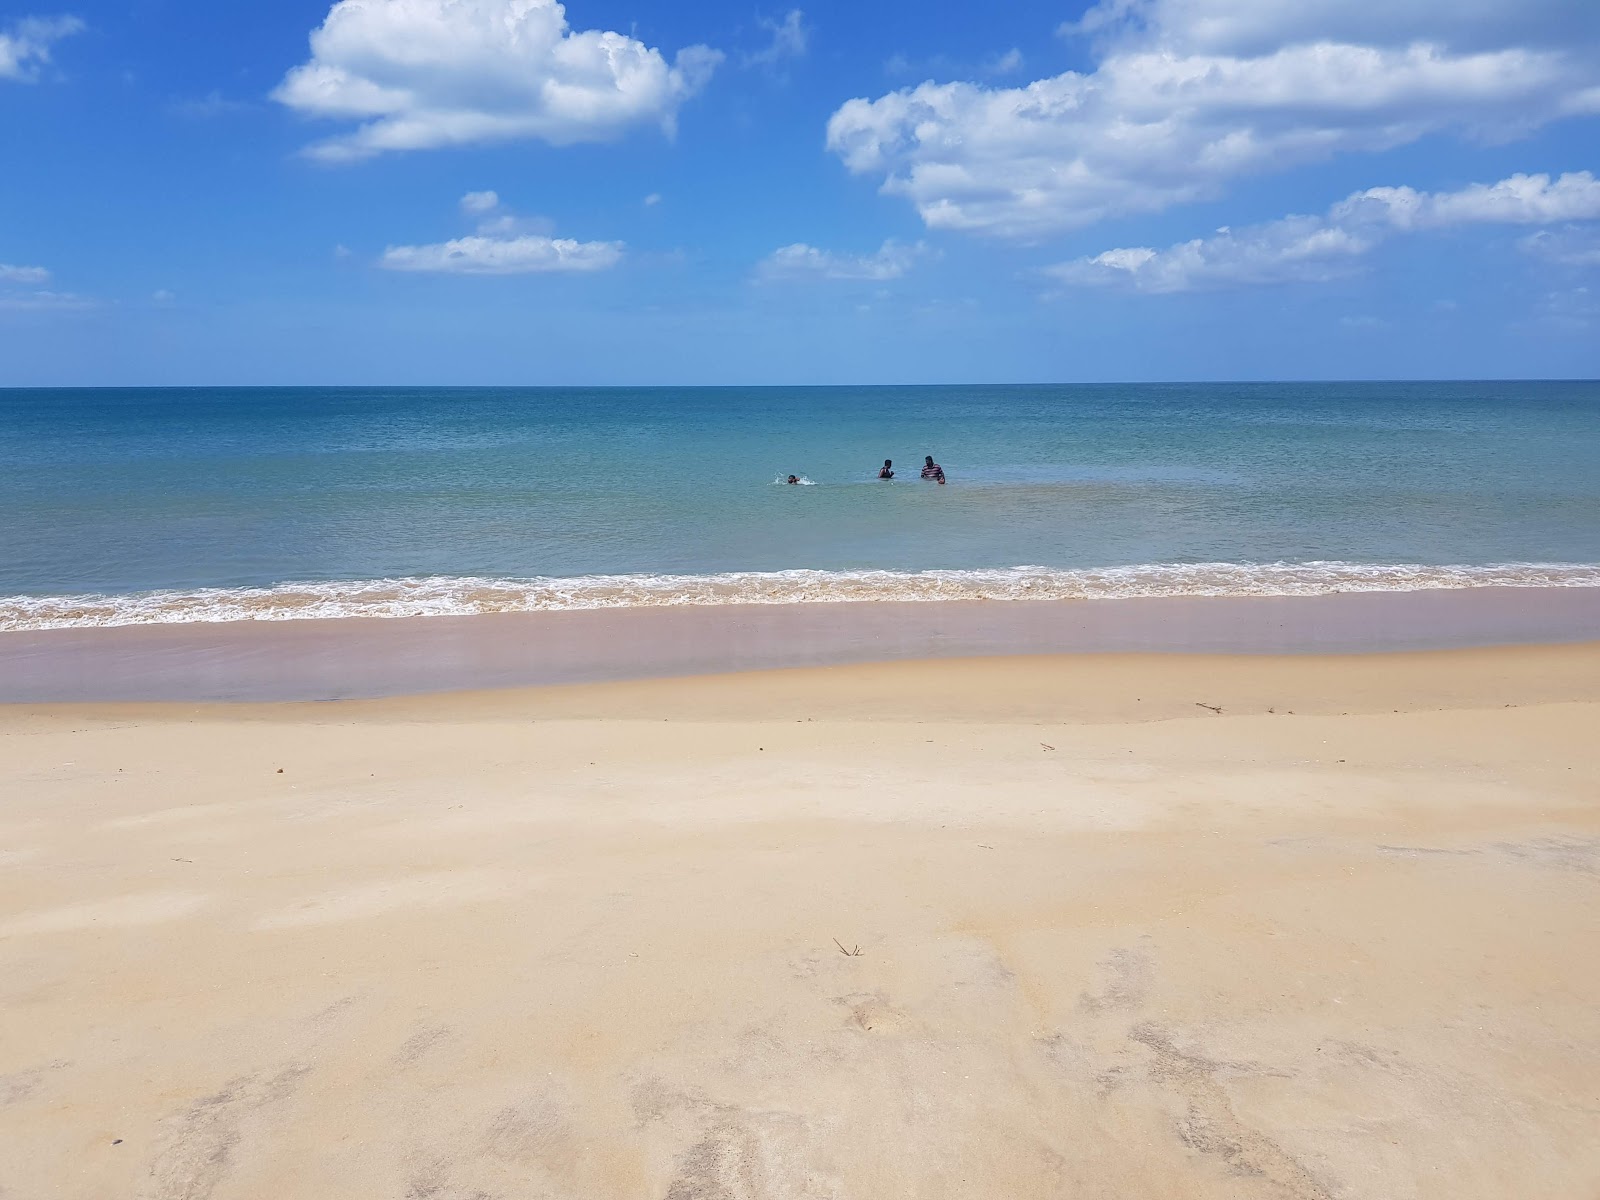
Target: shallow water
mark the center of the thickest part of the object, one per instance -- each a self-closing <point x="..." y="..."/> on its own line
<point x="192" y="504"/>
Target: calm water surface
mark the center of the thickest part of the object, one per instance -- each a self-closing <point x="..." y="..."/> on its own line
<point x="365" y="499"/>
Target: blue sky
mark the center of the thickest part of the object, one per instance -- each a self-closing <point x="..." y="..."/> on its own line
<point x="503" y="191"/>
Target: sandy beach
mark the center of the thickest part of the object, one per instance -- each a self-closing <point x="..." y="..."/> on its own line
<point x="1243" y="927"/>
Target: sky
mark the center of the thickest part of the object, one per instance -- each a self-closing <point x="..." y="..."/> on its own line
<point x="616" y="192"/>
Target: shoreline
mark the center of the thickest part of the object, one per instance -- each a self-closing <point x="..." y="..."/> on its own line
<point x="360" y="658"/>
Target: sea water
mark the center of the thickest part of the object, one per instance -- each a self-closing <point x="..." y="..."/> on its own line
<point x="132" y="506"/>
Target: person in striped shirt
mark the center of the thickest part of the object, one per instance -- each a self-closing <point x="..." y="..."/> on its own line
<point x="932" y="470"/>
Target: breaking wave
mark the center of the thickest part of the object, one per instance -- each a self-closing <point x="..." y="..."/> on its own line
<point x="449" y="596"/>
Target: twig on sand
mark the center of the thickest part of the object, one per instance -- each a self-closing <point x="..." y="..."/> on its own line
<point x="1047" y="745"/>
<point x="1216" y="708"/>
<point x="856" y="953"/>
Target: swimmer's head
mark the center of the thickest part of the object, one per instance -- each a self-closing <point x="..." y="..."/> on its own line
<point x="794" y="479"/>
<point x="928" y="458"/>
<point x="888" y="462"/>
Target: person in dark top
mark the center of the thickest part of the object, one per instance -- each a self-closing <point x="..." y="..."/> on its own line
<point x="932" y="470"/>
<point x="794" y="479"/>
<point x="888" y="469"/>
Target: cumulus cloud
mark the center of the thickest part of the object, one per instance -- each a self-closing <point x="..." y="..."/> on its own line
<point x="1188" y="95"/>
<point x="1309" y="249"/>
<point x="790" y="38"/>
<point x="11" y="274"/>
<point x="503" y="244"/>
<point x="25" y="45"/>
<point x="1295" y="249"/>
<point x="800" y="261"/>
<point x="1518" y="200"/>
<point x="420" y="74"/>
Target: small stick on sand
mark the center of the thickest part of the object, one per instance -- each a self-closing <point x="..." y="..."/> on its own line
<point x="1216" y="708"/>
<point x="856" y="953"/>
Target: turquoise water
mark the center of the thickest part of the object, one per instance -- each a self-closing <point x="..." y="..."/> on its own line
<point x="192" y="504"/>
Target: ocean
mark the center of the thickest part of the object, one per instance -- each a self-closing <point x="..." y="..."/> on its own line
<point x="175" y="505"/>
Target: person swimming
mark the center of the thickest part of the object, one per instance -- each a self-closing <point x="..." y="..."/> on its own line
<point x="793" y="479"/>
<point x="932" y="470"/>
<point x="888" y="469"/>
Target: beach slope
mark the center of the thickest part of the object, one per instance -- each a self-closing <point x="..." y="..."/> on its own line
<point x="1163" y="926"/>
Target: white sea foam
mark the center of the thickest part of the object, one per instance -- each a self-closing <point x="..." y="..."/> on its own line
<point x="449" y="596"/>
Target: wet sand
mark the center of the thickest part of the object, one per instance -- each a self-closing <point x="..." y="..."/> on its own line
<point x="1155" y="926"/>
<point x="368" y="657"/>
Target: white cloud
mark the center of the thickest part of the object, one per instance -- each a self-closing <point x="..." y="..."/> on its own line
<point x="503" y="244"/>
<point x="162" y="296"/>
<point x="1518" y="200"/>
<point x="525" y="255"/>
<point x="25" y="45"/>
<point x="420" y="74"/>
<point x="1571" y="247"/>
<point x="45" y="301"/>
<point x="790" y="37"/>
<point x="800" y="261"/>
<point x="501" y="224"/>
<point x="1004" y="64"/>
<point x="1296" y="249"/>
<point x="653" y="199"/>
<point x="11" y="274"/>
<point x="1258" y="26"/>
<point x="1309" y="249"/>
<point x="1189" y="95"/>
<point x="33" y="296"/>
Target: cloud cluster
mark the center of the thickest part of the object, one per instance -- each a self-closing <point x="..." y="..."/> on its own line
<point x="1308" y="249"/>
<point x="420" y="74"/>
<point x="800" y="261"/>
<point x="28" y="293"/>
<point x="25" y="45"/>
<point x="1518" y="200"/>
<point x="1188" y="95"/>
<point x="504" y="244"/>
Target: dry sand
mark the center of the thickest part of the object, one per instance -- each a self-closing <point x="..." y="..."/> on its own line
<point x="1337" y="940"/>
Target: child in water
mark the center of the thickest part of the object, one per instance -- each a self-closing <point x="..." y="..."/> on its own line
<point x="888" y="470"/>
